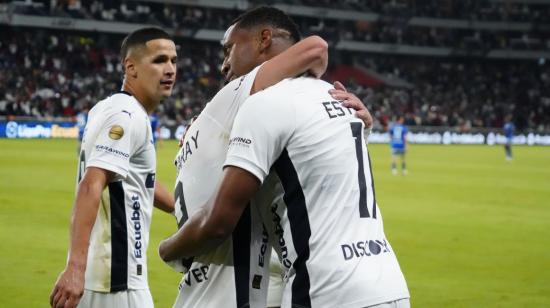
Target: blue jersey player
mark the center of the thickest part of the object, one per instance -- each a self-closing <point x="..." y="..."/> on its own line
<point x="509" y="129"/>
<point x="154" y="126"/>
<point x="398" y="142"/>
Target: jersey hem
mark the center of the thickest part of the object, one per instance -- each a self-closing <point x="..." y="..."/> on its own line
<point x="107" y="166"/>
<point x="376" y="301"/>
<point x="103" y="290"/>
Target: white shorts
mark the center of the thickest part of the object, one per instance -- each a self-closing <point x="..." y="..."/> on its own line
<point x="276" y="283"/>
<point x="275" y="291"/>
<point x="400" y="303"/>
<point x="122" y="299"/>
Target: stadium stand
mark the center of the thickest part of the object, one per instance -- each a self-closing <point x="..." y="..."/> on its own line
<point x="461" y="64"/>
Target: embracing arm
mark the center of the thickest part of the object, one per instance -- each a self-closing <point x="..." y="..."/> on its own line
<point x="164" y="200"/>
<point x="70" y="284"/>
<point x="308" y="55"/>
<point x="215" y="222"/>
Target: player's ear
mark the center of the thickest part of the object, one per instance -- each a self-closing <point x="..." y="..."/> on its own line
<point x="130" y="67"/>
<point x="266" y="37"/>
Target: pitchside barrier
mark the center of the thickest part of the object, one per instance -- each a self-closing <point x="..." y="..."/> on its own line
<point x="418" y="134"/>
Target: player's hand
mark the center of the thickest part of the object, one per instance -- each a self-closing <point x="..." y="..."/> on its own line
<point x="351" y="101"/>
<point x="68" y="289"/>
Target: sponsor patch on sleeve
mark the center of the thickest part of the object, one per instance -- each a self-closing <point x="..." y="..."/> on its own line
<point x="116" y="132"/>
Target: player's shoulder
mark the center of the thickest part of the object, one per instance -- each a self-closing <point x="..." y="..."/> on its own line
<point x="122" y="103"/>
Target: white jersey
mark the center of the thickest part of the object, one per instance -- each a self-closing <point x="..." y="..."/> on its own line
<point x="330" y="232"/>
<point x="118" y="138"/>
<point x="236" y="273"/>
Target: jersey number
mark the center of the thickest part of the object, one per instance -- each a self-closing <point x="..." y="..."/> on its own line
<point x="178" y="196"/>
<point x="357" y="133"/>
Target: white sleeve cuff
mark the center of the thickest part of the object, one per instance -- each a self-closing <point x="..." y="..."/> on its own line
<point x="247" y="165"/>
<point x="107" y="166"/>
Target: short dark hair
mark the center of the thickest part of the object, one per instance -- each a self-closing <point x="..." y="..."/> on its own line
<point x="139" y="38"/>
<point x="266" y="15"/>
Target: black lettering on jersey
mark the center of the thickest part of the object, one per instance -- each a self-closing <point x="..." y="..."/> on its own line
<point x="365" y="248"/>
<point x="136" y="221"/>
<point x="196" y="275"/>
<point x="334" y="109"/>
<point x="196" y="139"/>
<point x="263" y="248"/>
<point x="189" y="148"/>
<point x="279" y="231"/>
<point x="328" y="109"/>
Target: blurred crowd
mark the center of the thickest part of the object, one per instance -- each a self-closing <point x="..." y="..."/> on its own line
<point x="49" y="74"/>
<point x="391" y="27"/>
<point x="461" y="93"/>
<point x="474" y="10"/>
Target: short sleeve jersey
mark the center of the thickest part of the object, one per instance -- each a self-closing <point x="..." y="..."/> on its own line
<point x="398" y="133"/>
<point x="118" y="139"/>
<point x="222" y="277"/>
<point x="332" y="244"/>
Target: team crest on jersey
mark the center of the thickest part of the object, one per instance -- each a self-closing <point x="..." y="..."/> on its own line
<point x="116" y="132"/>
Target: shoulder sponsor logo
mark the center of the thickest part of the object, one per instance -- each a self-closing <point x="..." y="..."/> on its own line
<point x="108" y="149"/>
<point x="116" y="132"/>
<point x="240" y="141"/>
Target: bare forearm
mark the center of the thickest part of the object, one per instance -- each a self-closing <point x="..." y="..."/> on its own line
<point x="308" y="55"/>
<point x="164" y="200"/>
<point x="82" y="221"/>
<point x="317" y="56"/>
<point x="192" y="239"/>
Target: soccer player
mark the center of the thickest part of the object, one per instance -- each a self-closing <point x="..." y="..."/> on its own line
<point x="222" y="277"/>
<point x="296" y="138"/>
<point x="509" y="129"/>
<point x="107" y="262"/>
<point x="398" y="143"/>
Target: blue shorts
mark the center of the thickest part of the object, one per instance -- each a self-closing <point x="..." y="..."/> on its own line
<point x="397" y="151"/>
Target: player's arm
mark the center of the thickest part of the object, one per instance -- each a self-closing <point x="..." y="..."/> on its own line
<point x="164" y="200"/>
<point x="308" y="55"/>
<point x="245" y="168"/>
<point x="350" y="100"/>
<point x="215" y="222"/>
<point x="70" y="284"/>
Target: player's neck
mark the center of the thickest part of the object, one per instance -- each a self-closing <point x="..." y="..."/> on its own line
<point x="148" y="104"/>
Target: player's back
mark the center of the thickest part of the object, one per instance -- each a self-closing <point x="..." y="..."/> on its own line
<point x="330" y="231"/>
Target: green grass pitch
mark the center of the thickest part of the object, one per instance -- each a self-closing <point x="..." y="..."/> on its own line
<point x="469" y="228"/>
